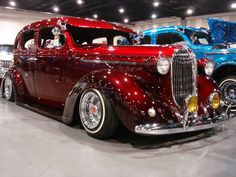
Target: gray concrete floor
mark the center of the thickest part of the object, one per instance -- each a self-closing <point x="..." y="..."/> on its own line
<point x="32" y="145"/>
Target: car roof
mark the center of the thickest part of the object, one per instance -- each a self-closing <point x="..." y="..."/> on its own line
<point x="171" y="28"/>
<point x="79" y="22"/>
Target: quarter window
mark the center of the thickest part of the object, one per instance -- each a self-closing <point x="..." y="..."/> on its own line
<point x="51" y="38"/>
<point x="28" y="40"/>
<point x="168" y="38"/>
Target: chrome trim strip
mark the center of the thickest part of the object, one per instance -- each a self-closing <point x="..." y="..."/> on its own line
<point x="222" y="52"/>
<point x="108" y="62"/>
<point x="154" y="129"/>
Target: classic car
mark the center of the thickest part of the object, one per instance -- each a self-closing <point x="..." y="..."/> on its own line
<point x="77" y="70"/>
<point x="6" y="57"/>
<point x="213" y="44"/>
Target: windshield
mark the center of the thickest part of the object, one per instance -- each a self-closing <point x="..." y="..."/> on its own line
<point x="6" y="48"/>
<point x="199" y="38"/>
<point x="88" y="36"/>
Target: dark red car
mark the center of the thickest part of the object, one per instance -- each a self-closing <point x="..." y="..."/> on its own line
<point x="82" y="70"/>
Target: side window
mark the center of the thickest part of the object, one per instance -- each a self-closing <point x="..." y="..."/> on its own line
<point x="51" y="38"/>
<point x="102" y="40"/>
<point x="146" y="40"/>
<point x="168" y="38"/>
<point x="120" y="40"/>
<point x="28" y="40"/>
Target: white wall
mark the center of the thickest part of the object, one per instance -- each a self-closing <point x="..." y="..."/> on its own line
<point x="196" y="21"/>
<point x="12" y="21"/>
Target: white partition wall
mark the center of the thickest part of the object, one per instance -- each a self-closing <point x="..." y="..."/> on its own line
<point x="12" y="21"/>
<point x="195" y="21"/>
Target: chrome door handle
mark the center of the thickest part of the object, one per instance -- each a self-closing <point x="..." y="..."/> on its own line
<point x="32" y="59"/>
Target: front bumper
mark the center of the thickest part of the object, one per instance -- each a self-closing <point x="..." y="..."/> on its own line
<point x="174" y="128"/>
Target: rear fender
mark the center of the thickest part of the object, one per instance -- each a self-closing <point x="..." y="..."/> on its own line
<point x="18" y="84"/>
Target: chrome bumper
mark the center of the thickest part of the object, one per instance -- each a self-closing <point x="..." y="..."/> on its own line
<point x="155" y="129"/>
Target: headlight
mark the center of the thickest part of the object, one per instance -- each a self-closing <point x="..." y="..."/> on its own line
<point x="209" y="67"/>
<point x="214" y="100"/>
<point x="192" y="104"/>
<point x="163" y="66"/>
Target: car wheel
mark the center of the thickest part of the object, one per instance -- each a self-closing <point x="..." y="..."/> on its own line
<point x="97" y="114"/>
<point x="8" y="89"/>
<point x="228" y="89"/>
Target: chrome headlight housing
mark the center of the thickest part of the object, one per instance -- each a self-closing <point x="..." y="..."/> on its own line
<point x="209" y="67"/>
<point x="163" y="66"/>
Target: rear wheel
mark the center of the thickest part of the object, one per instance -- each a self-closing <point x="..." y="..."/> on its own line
<point x="97" y="114"/>
<point x="8" y="88"/>
<point x="228" y="88"/>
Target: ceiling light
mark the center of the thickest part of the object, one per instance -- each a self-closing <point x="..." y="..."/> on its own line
<point x="126" y="20"/>
<point x="56" y="9"/>
<point x="95" y="16"/>
<point x="121" y="10"/>
<point x="190" y="11"/>
<point x="233" y="5"/>
<point x="156" y="3"/>
<point x="154" y="16"/>
<point x="12" y="3"/>
<point x="80" y="2"/>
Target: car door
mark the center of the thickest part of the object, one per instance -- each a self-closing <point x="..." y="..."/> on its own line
<point x="25" y="56"/>
<point x="50" y="77"/>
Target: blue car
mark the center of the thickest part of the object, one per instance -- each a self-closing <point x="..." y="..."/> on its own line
<point x="217" y="44"/>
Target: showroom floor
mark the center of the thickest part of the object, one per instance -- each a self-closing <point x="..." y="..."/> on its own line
<point x="32" y="145"/>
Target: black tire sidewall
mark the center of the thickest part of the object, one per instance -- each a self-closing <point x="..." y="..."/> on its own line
<point x="225" y="79"/>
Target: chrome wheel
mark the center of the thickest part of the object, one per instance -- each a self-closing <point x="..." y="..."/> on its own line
<point x="92" y="110"/>
<point x="228" y="89"/>
<point x="8" y="88"/>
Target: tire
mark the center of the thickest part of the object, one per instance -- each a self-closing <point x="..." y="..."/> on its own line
<point x="8" y="89"/>
<point x="97" y="114"/>
<point x="228" y="89"/>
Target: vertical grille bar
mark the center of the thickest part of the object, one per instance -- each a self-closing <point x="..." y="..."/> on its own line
<point x="182" y="76"/>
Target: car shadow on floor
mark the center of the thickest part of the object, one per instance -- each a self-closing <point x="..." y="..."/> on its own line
<point x="125" y="141"/>
<point x="166" y="141"/>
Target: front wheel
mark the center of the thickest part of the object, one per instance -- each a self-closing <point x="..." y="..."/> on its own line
<point x="228" y="88"/>
<point x="97" y="114"/>
<point x="8" y="89"/>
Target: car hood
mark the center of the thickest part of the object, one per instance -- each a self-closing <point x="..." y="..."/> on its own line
<point x="222" y="32"/>
<point x="124" y="52"/>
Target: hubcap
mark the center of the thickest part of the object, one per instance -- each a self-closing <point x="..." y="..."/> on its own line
<point x="228" y="89"/>
<point x="91" y="110"/>
<point x="8" y="88"/>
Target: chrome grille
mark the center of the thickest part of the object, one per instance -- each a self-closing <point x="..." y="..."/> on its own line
<point x="183" y="75"/>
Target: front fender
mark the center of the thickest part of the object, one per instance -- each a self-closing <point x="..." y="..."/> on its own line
<point x="129" y="99"/>
<point x="204" y="92"/>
